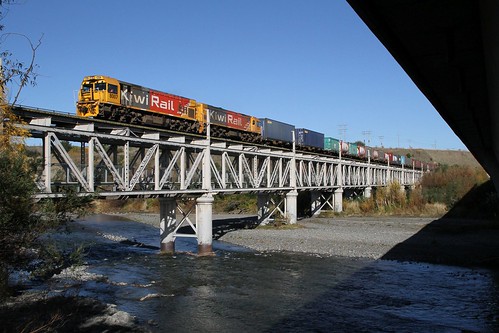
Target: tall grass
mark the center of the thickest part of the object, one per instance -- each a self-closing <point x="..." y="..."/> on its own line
<point x="448" y="184"/>
<point x="438" y="192"/>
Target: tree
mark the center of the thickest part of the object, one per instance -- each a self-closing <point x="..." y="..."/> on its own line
<point x="360" y="143"/>
<point x="14" y="73"/>
<point x="23" y="220"/>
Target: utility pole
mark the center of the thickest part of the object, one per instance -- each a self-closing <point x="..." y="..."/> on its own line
<point x="368" y="135"/>
<point x="342" y="129"/>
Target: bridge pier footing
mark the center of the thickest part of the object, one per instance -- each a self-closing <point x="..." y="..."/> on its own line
<point x="204" y="224"/>
<point x="167" y="224"/>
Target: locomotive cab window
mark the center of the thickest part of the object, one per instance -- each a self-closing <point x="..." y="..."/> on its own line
<point x="100" y="86"/>
<point x="113" y="89"/>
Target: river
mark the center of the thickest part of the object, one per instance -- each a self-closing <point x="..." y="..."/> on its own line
<point x="240" y="290"/>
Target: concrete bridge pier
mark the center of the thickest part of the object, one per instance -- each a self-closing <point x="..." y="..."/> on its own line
<point x="338" y="200"/>
<point x="292" y="206"/>
<point x="204" y="224"/>
<point x="315" y="203"/>
<point x="368" y="192"/>
<point x="263" y="202"/>
<point x="167" y="224"/>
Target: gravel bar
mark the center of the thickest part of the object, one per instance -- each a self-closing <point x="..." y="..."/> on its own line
<point x="364" y="237"/>
<point x="347" y="237"/>
<point x="460" y="242"/>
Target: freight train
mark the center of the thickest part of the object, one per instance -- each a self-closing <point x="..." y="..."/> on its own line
<point x="107" y="98"/>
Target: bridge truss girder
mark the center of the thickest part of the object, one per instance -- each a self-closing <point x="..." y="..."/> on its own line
<point x="119" y="163"/>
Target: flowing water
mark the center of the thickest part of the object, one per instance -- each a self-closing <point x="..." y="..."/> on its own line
<point x="240" y="290"/>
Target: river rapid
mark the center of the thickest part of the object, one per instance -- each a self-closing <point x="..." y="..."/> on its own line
<point x="247" y="291"/>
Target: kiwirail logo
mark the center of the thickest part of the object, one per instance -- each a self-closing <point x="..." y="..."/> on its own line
<point x="135" y="97"/>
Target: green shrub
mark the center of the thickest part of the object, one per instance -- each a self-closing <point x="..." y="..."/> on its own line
<point x="448" y="184"/>
<point x="23" y="221"/>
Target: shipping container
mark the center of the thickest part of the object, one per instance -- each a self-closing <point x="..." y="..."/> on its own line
<point x="344" y="146"/>
<point x="308" y="138"/>
<point x="402" y="160"/>
<point x="331" y="144"/>
<point x="361" y="151"/>
<point x="276" y="130"/>
<point x="352" y="149"/>
<point x="375" y="155"/>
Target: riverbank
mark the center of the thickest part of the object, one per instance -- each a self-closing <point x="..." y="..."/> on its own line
<point x="460" y="242"/>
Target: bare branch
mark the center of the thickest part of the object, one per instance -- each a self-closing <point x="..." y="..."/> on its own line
<point x="15" y="69"/>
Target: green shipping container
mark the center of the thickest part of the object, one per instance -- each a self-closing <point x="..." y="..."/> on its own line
<point x="352" y="149"/>
<point x="331" y="144"/>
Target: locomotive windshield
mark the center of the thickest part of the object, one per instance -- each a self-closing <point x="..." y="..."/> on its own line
<point x="86" y="87"/>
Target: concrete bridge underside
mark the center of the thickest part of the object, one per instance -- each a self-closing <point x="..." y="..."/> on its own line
<point x="450" y="49"/>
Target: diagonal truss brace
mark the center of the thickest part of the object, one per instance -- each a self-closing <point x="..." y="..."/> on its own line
<point x="109" y="164"/>
<point x="63" y="154"/>
<point x="142" y="166"/>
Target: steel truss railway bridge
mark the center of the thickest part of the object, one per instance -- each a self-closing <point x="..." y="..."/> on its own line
<point x="125" y="161"/>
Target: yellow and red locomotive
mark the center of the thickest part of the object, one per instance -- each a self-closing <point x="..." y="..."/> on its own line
<point x="107" y="98"/>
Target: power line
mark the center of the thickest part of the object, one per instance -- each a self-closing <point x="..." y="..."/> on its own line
<point x="342" y="129"/>
<point x="381" y="137"/>
<point x="368" y="135"/>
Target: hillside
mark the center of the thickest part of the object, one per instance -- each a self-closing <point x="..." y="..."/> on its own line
<point x="449" y="157"/>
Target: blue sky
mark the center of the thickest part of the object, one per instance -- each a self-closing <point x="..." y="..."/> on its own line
<point x="313" y="64"/>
